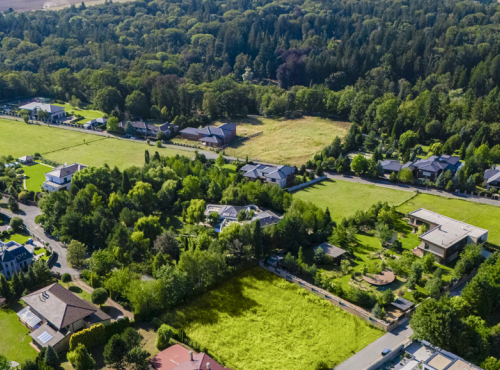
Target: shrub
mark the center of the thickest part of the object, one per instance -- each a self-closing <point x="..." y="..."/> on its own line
<point x="16" y="223"/>
<point x="99" y="296"/>
<point x="156" y="322"/>
<point x="91" y="337"/>
<point x="66" y="278"/>
<point x="163" y="337"/>
<point x="158" y="143"/>
<point x="29" y="365"/>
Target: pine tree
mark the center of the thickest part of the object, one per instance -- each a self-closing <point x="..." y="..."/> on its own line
<point x="5" y="290"/>
<point x="30" y="278"/>
<point x="327" y="219"/>
<point x="16" y="285"/>
<point x="51" y="358"/>
<point x="146" y="156"/>
<point x="125" y="182"/>
<point x="257" y="238"/>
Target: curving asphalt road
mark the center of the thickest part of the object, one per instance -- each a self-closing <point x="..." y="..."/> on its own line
<point x="28" y="214"/>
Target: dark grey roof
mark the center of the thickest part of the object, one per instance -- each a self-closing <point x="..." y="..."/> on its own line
<point x="211" y="139"/>
<point x="489" y="173"/>
<point x="13" y="251"/>
<point x="331" y="250"/>
<point x="191" y="131"/>
<point x="391" y="165"/>
<point x="263" y="170"/>
<point x="403" y="304"/>
<point x="63" y="171"/>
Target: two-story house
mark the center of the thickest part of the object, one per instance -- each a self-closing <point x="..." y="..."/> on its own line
<point x="279" y="175"/>
<point x="14" y="258"/>
<point x="143" y="129"/>
<point x="54" y="314"/>
<point x="55" y="112"/>
<point x="445" y="237"/>
<point x="60" y="177"/>
<point x="211" y="136"/>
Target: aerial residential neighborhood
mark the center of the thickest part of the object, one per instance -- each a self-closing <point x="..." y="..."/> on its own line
<point x="249" y="185"/>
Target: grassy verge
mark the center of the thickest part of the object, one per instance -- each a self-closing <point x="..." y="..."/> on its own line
<point x="344" y="198"/>
<point x="260" y="321"/>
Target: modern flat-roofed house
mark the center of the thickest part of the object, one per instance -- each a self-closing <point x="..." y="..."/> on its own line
<point x="280" y="175"/>
<point x="54" y="314"/>
<point x="445" y="237"/>
<point x="95" y="122"/>
<point x="211" y="136"/>
<point x="334" y="252"/>
<point x="229" y="214"/>
<point x="60" y="177"/>
<point x="54" y="111"/>
<point x="144" y="129"/>
<point x="492" y="177"/>
<point x="14" y="257"/>
<point x="177" y="357"/>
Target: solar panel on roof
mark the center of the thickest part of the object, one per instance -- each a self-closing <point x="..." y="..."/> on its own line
<point x="44" y="337"/>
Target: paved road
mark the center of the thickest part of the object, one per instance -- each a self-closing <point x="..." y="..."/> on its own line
<point x="28" y="214"/>
<point x="411" y="188"/>
<point x="372" y="352"/>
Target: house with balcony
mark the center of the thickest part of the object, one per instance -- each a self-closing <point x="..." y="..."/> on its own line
<point x="445" y="237"/>
<point x="14" y="257"/>
<point x="54" y="313"/>
<point x="60" y="177"/>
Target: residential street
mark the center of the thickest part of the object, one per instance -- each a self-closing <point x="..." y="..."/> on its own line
<point x="411" y="188"/>
<point x="28" y="214"/>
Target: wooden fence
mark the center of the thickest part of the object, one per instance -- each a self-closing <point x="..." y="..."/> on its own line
<point x="339" y="302"/>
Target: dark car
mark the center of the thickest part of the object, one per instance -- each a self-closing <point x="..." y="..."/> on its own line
<point x="386" y="351"/>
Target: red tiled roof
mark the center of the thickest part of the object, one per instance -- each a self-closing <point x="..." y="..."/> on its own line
<point x="177" y="357"/>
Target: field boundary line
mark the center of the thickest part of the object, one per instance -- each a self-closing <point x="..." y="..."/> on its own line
<point x="74" y="146"/>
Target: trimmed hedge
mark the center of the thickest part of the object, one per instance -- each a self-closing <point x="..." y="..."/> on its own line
<point x="98" y="334"/>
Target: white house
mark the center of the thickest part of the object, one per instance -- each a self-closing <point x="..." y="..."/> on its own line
<point x="27" y="159"/>
<point x="14" y="257"/>
<point x="95" y="122"/>
<point x="60" y="177"/>
<point x="54" y="111"/>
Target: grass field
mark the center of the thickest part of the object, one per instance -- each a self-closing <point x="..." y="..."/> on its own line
<point x="288" y="141"/>
<point x="19" y="238"/>
<point x="35" y="176"/>
<point x="68" y="146"/>
<point x="344" y="198"/>
<point x="481" y="215"/>
<point x="260" y="321"/>
<point x="14" y="341"/>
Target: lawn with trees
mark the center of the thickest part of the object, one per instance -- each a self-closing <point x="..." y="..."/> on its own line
<point x="256" y="320"/>
<point x="344" y="198"/>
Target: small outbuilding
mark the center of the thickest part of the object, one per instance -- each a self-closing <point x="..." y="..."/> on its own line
<point x="27" y="159"/>
<point x="403" y="304"/>
<point x="335" y="252"/>
<point x="274" y="260"/>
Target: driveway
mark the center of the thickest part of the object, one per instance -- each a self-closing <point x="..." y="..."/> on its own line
<point x="372" y="353"/>
<point x="411" y="188"/>
<point x="28" y="214"/>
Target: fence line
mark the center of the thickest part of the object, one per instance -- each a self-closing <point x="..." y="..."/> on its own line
<point x="310" y="182"/>
<point x="339" y="302"/>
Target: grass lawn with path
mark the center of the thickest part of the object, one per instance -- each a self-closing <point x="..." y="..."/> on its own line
<point x="15" y="339"/>
<point x="35" y="176"/>
<point x="290" y="142"/>
<point x="481" y="215"/>
<point x="61" y="145"/>
<point x="344" y="198"/>
<point x="257" y="321"/>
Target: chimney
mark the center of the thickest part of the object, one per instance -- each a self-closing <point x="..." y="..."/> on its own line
<point x="208" y="365"/>
<point x="191" y="355"/>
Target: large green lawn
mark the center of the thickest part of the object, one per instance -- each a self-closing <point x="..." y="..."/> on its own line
<point x="87" y="114"/>
<point x="60" y="145"/>
<point x="14" y="338"/>
<point x="477" y="214"/>
<point x="35" y="176"/>
<point x="260" y="321"/>
<point x="344" y="198"/>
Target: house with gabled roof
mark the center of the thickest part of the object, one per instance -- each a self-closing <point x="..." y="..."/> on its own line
<point x="492" y="177"/>
<point x="229" y="214"/>
<point x="60" y="177"/>
<point x="14" y="257"/>
<point x="212" y="136"/>
<point x="144" y="129"/>
<point x="177" y="357"/>
<point x="280" y="175"/>
<point x="54" y="111"/>
<point x="54" y="314"/>
<point x="429" y="168"/>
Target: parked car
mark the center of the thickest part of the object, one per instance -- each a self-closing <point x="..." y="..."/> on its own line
<point x="386" y="351"/>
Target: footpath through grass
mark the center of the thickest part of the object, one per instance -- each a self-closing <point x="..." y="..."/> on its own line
<point x="481" y="215"/>
<point x="285" y="141"/>
<point x="14" y="337"/>
<point x="260" y="321"/>
<point x="344" y="198"/>
<point x="61" y="145"/>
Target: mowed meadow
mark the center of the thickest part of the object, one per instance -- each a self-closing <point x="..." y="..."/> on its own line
<point x="290" y="142"/>
<point x="259" y="321"/>
<point x="63" y="145"/>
